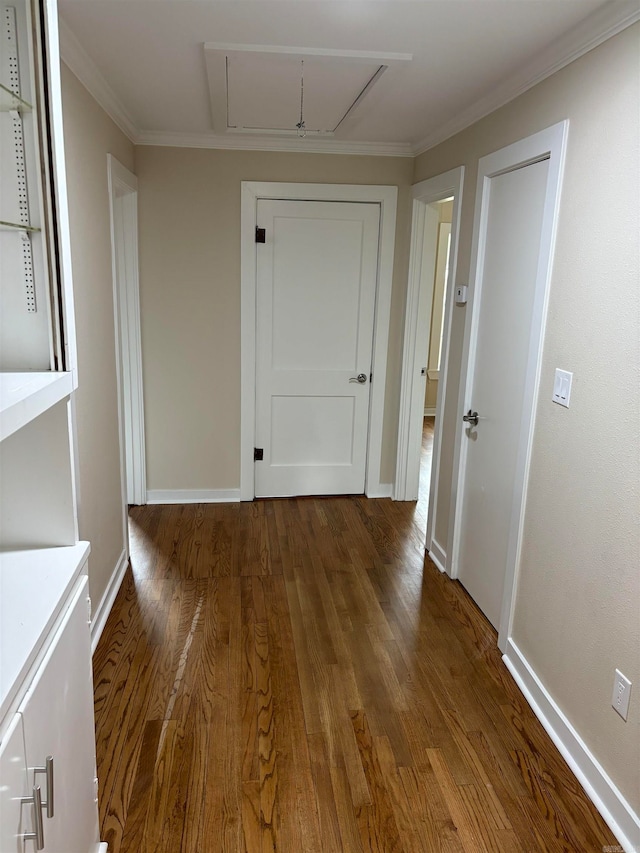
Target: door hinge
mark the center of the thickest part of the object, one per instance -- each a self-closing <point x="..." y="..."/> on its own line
<point x="371" y="377"/>
<point x="261" y="235"/>
<point x="258" y="454"/>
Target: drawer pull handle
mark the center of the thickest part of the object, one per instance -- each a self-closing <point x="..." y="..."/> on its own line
<point x="36" y="802"/>
<point x="48" y="770"/>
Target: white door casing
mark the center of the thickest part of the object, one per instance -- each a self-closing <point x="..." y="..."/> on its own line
<point x="514" y="232"/>
<point x="386" y="198"/>
<point x="316" y="285"/>
<point x="416" y="342"/>
<point x="123" y="205"/>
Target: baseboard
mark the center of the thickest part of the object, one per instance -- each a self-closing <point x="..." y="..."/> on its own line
<point x="102" y="611"/>
<point x="615" y="810"/>
<point x="382" y="490"/>
<point x="193" y="496"/>
<point x="438" y="556"/>
<point x="430" y="412"/>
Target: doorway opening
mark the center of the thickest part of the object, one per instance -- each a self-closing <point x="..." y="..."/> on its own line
<point x="434" y="236"/>
<point x="384" y="198"/>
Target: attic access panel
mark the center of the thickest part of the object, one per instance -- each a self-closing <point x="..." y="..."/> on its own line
<point x="256" y="88"/>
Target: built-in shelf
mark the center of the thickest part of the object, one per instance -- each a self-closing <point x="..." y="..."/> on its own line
<point x="25" y="396"/>
<point x="34" y="586"/>
<point x="10" y="101"/>
<point x="17" y="226"/>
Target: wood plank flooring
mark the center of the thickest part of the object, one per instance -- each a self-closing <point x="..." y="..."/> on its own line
<point x="291" y="675"/>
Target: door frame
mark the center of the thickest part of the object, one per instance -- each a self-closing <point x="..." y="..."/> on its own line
<point x="386" y="197"/>
<point x="123" y="216"/>
<point x="416" y="331"/>
<point x="546" y="144"/>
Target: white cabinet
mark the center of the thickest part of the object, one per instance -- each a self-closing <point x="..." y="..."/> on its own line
<point x="57" y="714"/>
<point x="15" y="818"/>
<point x="54" y="717"/>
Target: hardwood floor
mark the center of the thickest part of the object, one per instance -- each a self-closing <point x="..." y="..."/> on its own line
<point x="291" y="675"/>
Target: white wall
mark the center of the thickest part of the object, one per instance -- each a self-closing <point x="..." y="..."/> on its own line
<point x="577" y="613"/>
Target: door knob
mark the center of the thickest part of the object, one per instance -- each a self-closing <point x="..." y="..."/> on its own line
<point x="471" y="418"/>
<point x="361" y="378"/>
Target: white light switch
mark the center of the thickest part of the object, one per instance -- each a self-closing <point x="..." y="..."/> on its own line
<point x="562" y="387"/>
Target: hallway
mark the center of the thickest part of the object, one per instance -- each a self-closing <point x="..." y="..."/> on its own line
<point x="286" y="675"/>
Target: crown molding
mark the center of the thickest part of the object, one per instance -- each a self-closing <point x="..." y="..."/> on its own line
<point x="80" y="63"/>
<point x="308" y="145"/>
<point x="596" y="29"/>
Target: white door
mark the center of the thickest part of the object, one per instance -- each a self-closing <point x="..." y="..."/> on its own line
<point x="315" y="306"/>
<point x="58" y="721"/>
<point x="506" y="290"/>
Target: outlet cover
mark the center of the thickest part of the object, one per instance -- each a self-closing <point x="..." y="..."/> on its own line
<point x="621" y="694"/>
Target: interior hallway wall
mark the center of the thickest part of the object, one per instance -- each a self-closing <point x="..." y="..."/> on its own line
<point x="189" y="203"/>
<point x="576" y="616"/>
<point x="89" y="135"/>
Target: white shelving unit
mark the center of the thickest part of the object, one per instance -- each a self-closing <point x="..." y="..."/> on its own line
<point x="46" y="688"/>
<point x="25" y="396"/>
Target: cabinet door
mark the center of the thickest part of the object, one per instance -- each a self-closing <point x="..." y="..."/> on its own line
<point x="15" y="819"/>
<point x="58" y="720"/>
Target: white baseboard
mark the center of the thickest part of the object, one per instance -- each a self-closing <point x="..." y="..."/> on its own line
<point x="193" y="496"/>
<point x="438" y="556"/>
<point x="382" y="490"/>
<point x="615" y="810"/>
<point x="430" y="412"/>
<point x="101" y="613"/>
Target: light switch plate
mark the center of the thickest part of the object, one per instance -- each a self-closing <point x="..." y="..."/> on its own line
<point x="562" y="387"/>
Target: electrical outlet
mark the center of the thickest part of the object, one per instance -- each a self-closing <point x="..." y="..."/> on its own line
<point x="621" y="693"/>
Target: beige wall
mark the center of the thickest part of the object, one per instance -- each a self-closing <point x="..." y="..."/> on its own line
<point x="577" y="609"/>
<point x="89" y="136"/>
<point x="190" y="294"/>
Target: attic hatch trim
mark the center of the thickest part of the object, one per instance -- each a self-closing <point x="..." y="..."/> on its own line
<point x="217" y="56"/>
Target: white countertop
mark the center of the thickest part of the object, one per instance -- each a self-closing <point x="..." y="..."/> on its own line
<point x="34" y="586"/>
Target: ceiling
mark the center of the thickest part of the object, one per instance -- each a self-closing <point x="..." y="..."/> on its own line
<point x="380" y="76"/>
